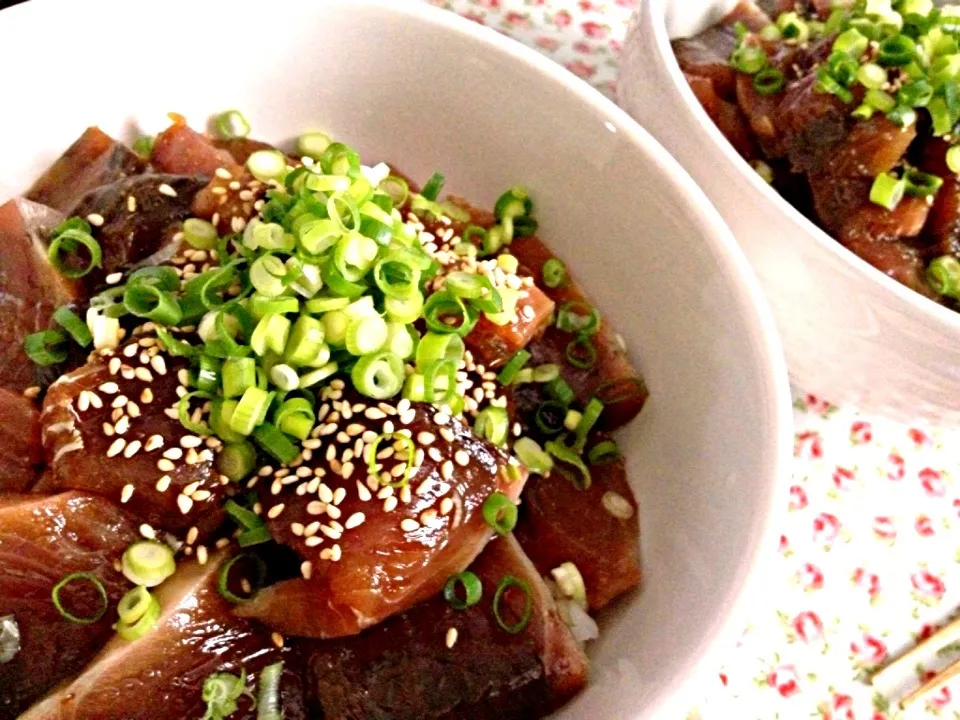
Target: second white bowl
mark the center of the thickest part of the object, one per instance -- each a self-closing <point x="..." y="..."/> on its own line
<point x="851" y="334"/>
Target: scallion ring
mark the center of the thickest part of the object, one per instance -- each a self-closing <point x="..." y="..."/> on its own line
<point x="186" y="415"/>
<point x="148" y="563"/>
<point x="581" y="353"/>
<point x="64" y="256"/>
<point x="224" y="579"/>
<point x="554" y="273"/>
<point x="498" y="611"/>
<point x="379" y="375"/>
<point x="47" y="347"/>
<point x="81" y="577"/>
<point x="604" y="452"/>
<point x="500" y="512"/>
<point x="472" y="590"/>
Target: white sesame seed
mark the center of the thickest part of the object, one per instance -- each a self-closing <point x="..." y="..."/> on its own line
<point x="446" y="505"/>
<point x="330" y="532"/>
<point x="390" y="504"/>
<point x="409" y="525"/>
<point x="462" y="458"/>
<point x="173" y="453"/>
<point x="184" y="503"/>
<point x="165" y="189"/>
<point x="191" y="441"/>
<point x="362" y="492"/>
<point x="339" y="495"/>
<point x="117" y="447"/>
<point x="131" y="203"/>
<point x="159" y="364"/>
<point x="95" y="219"/>
<point x="617" y="505"/>
<point x="446" y="470"/>
<point x="148" y="532"/>
<point x="126" y="493"/>
<point x="333" y="511"/>
<point x="451" y="638"/>
<point x="133" y="410"/>
<point x="201" y="495"/>
<point x="428" y="516"/>
<point x="275" y="511"/>
<point x="132" y="449"/>
<point x="223" y="173"/>
<point x="447" y="434"/>
<point x="441" y="418"/>
<point x="306" y="569"/>
<point x="123" y="424"/>
<point x="163" y="483"/>
<point x="164" y="465"/>
<point x="325" y="493"/>
<point x="192" y="534"/>
<point x="354" y="520"/>
<point x="316" y="507"/>
<point x="118" y="402"/>
<point x="406" y="495"/>
<point x="202" y="554"/>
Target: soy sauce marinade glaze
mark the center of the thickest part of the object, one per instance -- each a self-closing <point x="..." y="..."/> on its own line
<point x="850" y="109"/>
<point x="318" y="396"/>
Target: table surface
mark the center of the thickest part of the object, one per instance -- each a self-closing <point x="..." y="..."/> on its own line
<point x="869" y="553"/>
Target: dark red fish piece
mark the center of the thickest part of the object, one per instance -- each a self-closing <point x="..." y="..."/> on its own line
<point x="612" y="378"/>
<point x="597" y="529"/>
<point x="372" y="557"/>
<point x="93" y="160"/>
<point x="813" y="124"/>
<point x="900" y="261"/>
<point x="228" y="202"/>
<point x="42" y="540"/>
<point x="760" y="112"/>
<point x="160" y="675"/>
<point x="844" y="208"/>
<point x="403" y="670"/>
<point x="241" y="149"/>
<point x="21" y="454"/>
<point x="493" y="345"/>
<point x="941" y="234"/>
<point x="181" y="150"/>
<point x="86" y="449"/>
<point x="872" y="147"/>
<point x="141" y="230"/>
<point x="30" y="287"/>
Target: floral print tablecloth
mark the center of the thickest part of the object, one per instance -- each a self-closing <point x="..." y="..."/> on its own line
<point x="870" y="553"/>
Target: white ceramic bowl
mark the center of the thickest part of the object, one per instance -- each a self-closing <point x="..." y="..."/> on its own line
<point x="850" y="333"/>
<point x="427" y="90"/>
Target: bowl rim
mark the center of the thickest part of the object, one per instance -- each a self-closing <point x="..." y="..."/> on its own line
<point x="773" y="391"/>
<point x="653" y="15"/>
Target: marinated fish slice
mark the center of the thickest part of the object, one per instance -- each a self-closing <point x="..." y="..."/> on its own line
<point x="183" y="151"/>
<point x="406" y="668"/>
<point x="494" y="345"/>
<point x="373" y="550"/>
<point x="812" y="123"/>
<point x="597" y="529"/>
<point x="760" y="112"/>
<point x="93" y="160"/>
<point x="116" y="433"/>
<point x="941" y="234"/>
<point x="21" y="453"/>
<point x="612" y="377"/>
<point x="727" y="116"/>
<point x="30" y="287"/>
<point x="160" y="675"/>
<point x="141" y="216"/>
<point x="43" y="540"/>
<point x="241" y="149"/>
<point x="900" y="261"/>
<point x="843" y="206"/>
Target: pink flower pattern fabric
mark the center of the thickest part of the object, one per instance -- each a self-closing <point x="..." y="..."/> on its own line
<point x="869" y="554"/>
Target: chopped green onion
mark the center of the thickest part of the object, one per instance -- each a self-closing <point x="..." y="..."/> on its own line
<point x="571" y="457"/>
<point x="378" y="375"/>
<point x="492" y="424"/>
<point x="472" y="590"/>
<point x="200" y="234"/>
<point x="142" y="611"/>
<point x="70" y="321"/>
<point x="749" y="60"/>
<point x="81" y="577"/>
<point x="221" y="692"/>
<point x="943" y="274"/>
<point x="915" y="94"/>
<point x="505" y="584"/>
<point x="851" y="42"/>
<point x="223" y="580"/>
<point x="397" y="188"/>
<point x="295" y="417"/>
<point x="560" y="390"/>
<point x="402" y="340"/>
<point x="250" y="411"/>
<point x="887" y="191"/>
<point x="313" y="144"/>
<point x="47" y="347"/>
<point x="581" y="353"/>
<point x="554" y="273"/>
<point x="271" y="334"/>
<point x="373" y="467"/>
<point x="826" y="83"/>
<point x="150" y="302"/>
<point x="792" y="27"/>
<point x="232" y="124"/>
<point x="148" y="563"/>
<point x="532" y="456"/>
<point x="577" y="316"/>
<point x="238" y="374"/>
<point x="500" y="512"/>
<point x="896" y="51"/>
<point x="872" y="76"/>
<point x="366" y="335"/>
<point x="433" y="187"/>
<point x="570" y="583"/>
<point x="920" y="184"/>
<point x="590" y="416"/>
<point x="183" y="408"/>
<point x="322" y="373"/>
<point x="509" y="372"/>
<point x="439" y="346"/>
<point x="769" y="81"/>
<point x="953" y="159"/>
<point x="9" y="638"/>
<point x="143" y="146"/>
<point x="237" y="460"/>
<point x="550" y="417"/>
<point x="603" y="452"/>
<point x="63" y="253"/>
<point x="284" y="377"/>
<point x="268" y="699"/>
<point x="275" y="443"/>
<point x="267" y="165"/>
<point x="444" y="312"/>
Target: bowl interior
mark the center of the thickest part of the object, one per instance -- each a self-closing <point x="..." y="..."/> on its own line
<point x="427" y="91"/>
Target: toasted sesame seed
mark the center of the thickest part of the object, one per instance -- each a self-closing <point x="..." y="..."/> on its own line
<point x="362" y="492"/>
<point x="462" y="458"/>
<point x="95" y="219"/>
<point x="306" y="569"/>
<point x="275" y="511"/>
<point x="441" y="418"/>
<point x="451" y="638"/>
<point x="316" y="508"/>
<point x="390" y="504"/>
<point x="131" y="203"/>
<point x="108" y="430"/>
<point x="148" y="532"/>
<point x="374" y="414"/>
<point x="164" y="465"/>
<point x="153" y="442"/>
<point x="326" y="553"/>
<point x="117" y="447"/>
<point x="173" y="453"/>
<point x="447" y="434"/>
<point x="192" y="534"/>
<point x="132" y="449"/>
<point x="201" y="495"/>
<point x="185" y="503"/>
<point x="191" y="441"/>
<point x="126" y="493"/>
<point x="163" y="483"/>
<point x="409" y="525"/>
<point x="330" y="532"/>
<point x="446" y="470"/>
<point x="333" y="511"/>
<point x="428" y="516"/>
<point x="325" y="493"/>
<point x="446" y="505"/>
